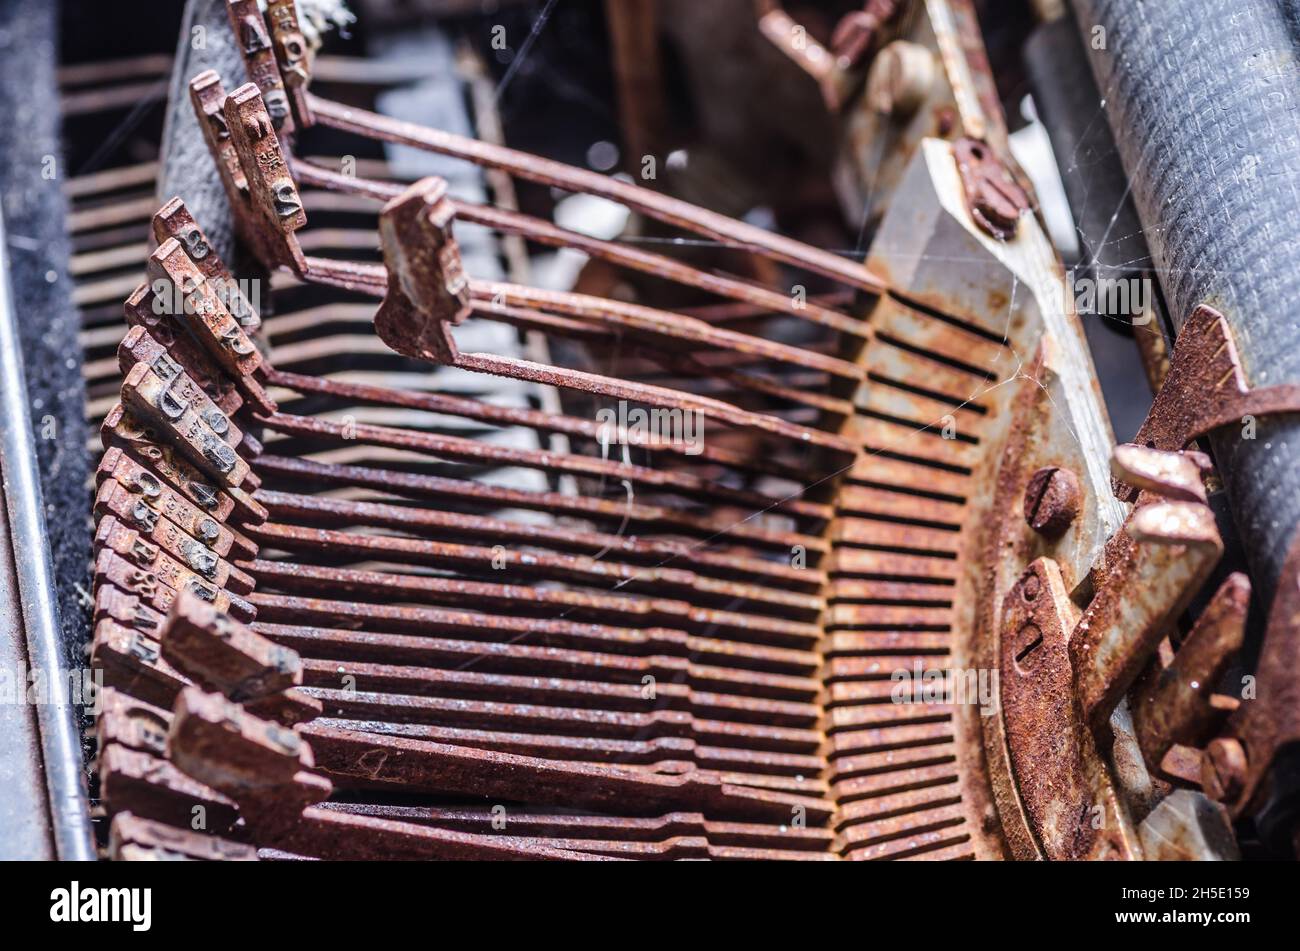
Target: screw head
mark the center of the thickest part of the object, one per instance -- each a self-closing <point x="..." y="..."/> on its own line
<point x="1223" y="770"/>
<point x="1052" y="500"/>
<point x="996" y="200"/>
<point x="1028" y="644"/>
<point x="1030" y="588"/>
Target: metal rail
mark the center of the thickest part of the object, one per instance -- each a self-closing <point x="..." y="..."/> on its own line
<point x="69" y="815"/>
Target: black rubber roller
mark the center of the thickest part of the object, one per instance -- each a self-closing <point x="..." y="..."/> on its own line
<point x="1203" y="97"/>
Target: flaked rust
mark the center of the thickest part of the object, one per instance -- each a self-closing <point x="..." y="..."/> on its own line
<point x="427" y="289"/>
<point x="1148" y="574"/>
<point x="678" y="653"/>
<point x="209" y="645"/>
<point x="1052" y="500"/>
<point x="1061" y="779"/>
<point x="1238" y="764"/>
<point x="1173" y="706"/>
<point x="133" y="839"/>
<point x="1205" y="389"/>
<point x="996" y="200"/>
<point x="174" y="220"/>
<point x="254" y="41"/>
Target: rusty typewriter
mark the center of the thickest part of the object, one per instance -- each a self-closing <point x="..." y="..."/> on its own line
<point x="692" y="497"/>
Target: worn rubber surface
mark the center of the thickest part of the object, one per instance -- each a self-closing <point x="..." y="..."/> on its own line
<point x="36" y="224"/>
<point x="206" y="42"/>
<point x="1204" y="100"/>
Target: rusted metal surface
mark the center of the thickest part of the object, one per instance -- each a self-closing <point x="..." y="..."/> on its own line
<point x="545" y="232"/>
<point x="1205" y="389"/>
<point x="1223" y="770"/>
<point x="1137" y="588"/>
<point x="267" y="768"/>
<point x="656" y="205"/>
<point x="1237" y="765"/>
<point x="254" y="38"/>
<point x="162" y="514"/>
<point x="1051" y="500"/>
<point x="927" y="75"/>
<point x="293" y="55"/>
<point x="210" y="645"/>
<point x="1187" y="827"/>
<point x="1148" y="574"/>
<point x="1174" y="706"/>
<point x="165" y="392"/>
<point x="161" y="338"/>
<point x="1072" y="806"/>
<point x="791" y="38"/>
<point x="401" y="619"/>
<point x="708" y="644"/>
<point x="837" y="64"/>
<point x="133" y="839"/>
<point x="427" y="289"/>
<point x="174" y="220"/>
<point x="637" y="60"/>
<point x="127" y="543"/>
<point x="1065" y="671"/>
<point x="1178" y="476"/>
<point x="213" y="326"/>
<point x="996" y="200"/>
<point x="538" y="420"/>
<point x="199" y="433"/>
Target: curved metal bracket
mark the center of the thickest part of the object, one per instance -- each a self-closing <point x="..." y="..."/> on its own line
<point x="1205" y="390"/>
